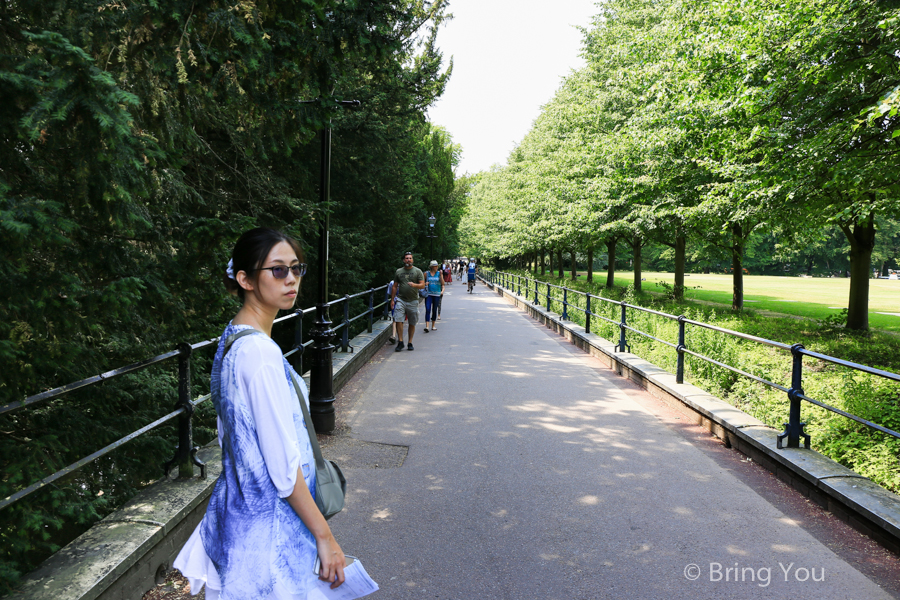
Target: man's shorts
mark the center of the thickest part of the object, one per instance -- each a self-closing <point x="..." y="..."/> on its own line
<point x="410" y="311"/>
<point x="471" y="277"/>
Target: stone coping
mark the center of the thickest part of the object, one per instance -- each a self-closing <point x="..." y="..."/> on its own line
<point x="129" y="551"/>
<point x="853" y="498"/>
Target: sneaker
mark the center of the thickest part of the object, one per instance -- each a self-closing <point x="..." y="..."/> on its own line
<point x="399" y="347"/>
<point x="392" y="340"/>
<point x="409" y="347"/>
<point x="426" y="330"/>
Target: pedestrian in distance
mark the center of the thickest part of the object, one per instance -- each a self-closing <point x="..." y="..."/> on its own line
<point x="473" y="270"/>
<point x="262" y="530"/>
<point x="447" y="272"/>
<point x="408" y="280"/>
<point x="394" y="326"/>
<point x="434" y="286"/>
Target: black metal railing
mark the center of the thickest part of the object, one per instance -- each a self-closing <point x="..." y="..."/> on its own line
<point x="794" y="428"/>
<point x="185" y="455"/>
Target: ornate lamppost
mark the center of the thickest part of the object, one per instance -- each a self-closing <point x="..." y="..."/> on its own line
<point x="431" y="222"/>
<point x="321" y="389"/>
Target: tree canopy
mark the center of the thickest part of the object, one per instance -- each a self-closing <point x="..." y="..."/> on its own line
<point x="712" y="124"/>
<point x="137" y="140"/>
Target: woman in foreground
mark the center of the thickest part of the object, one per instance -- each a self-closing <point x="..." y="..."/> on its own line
<point x="262" y="530"/>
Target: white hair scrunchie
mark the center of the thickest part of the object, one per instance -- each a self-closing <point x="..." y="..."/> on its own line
<point x="230" y="270"/>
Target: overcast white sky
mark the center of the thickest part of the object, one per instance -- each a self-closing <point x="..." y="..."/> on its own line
<point x="509" y="58"/>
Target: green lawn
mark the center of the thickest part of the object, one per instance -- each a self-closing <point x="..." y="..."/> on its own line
<point x="806" y="297"/>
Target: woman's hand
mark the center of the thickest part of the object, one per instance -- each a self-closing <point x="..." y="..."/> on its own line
<point x="332" y="560"/>
<point x="331" y="556"/>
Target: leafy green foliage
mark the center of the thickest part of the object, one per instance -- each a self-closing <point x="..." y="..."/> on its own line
<point x="712" y="122"/>
<point x="136" y="142"/>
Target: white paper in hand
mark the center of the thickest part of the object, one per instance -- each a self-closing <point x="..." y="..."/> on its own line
<point x="357" y="584"/>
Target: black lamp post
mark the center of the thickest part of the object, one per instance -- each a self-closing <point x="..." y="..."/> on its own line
<point x="431" y="222"/>
<point x="321" y="389"/>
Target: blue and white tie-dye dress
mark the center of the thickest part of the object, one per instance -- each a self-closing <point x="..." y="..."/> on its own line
<point x="251" y="544"/>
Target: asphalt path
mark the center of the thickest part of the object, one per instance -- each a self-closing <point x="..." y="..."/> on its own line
<point x="532" y="474"/>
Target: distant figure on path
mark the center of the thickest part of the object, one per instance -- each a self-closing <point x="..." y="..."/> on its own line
<point x="394" y="326"/>
<point x="473" y="269"/>
<point x="447" y="273"/>
<point x="435" y="287"/>
<point x="408" y="280"/>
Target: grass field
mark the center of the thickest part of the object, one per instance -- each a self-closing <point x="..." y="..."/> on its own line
<point x="814" y="298"/>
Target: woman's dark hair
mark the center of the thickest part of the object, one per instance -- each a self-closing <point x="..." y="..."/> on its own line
<point x="250" y="253"/>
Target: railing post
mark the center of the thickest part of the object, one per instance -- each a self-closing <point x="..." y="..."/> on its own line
<point x="679" y="371"/>
<point x="345" y="334"/>
<point x="186" y="453"/>
<point x="519" y="285"/>
<point x="298" y="342"/>
<point x="548" y="297"/>
<point x="587" y="313"/>
<point x="794" y="429"/>
<point x="622" y="346"/>
<point x="371" y="307"/>
<point x="565" y="312"/>
<point x="536" y="301"/>
<point x="387" y="303"/>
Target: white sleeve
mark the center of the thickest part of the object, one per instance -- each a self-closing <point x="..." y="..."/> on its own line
<point x="260" y="375"/>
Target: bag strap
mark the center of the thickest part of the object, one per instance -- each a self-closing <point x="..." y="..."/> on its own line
<point x="310" y="428"/>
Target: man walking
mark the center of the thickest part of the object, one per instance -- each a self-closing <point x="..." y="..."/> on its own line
<point x="408" y="280"/>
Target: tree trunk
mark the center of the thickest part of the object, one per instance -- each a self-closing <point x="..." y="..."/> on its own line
<point x="611" y="266"/>
<point x="737" y="267"/>
<point x="559" y="262"/>
<point x="590" y="274"/>
<point x="543" y="264"/>
<point x="636" y="248"/>
<point x="862" y="243"/>
<point x="574" y="266"/>
<point x="550" y="258"/>
<point x="679" y="266"/>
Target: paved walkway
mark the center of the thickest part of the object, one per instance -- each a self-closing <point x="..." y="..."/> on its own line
<point x="534" y="474"/>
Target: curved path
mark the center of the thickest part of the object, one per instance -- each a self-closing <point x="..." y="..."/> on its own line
<point x="533" y="473"/>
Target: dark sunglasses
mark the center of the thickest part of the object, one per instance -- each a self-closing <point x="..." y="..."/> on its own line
<point x="281" y="271"/>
